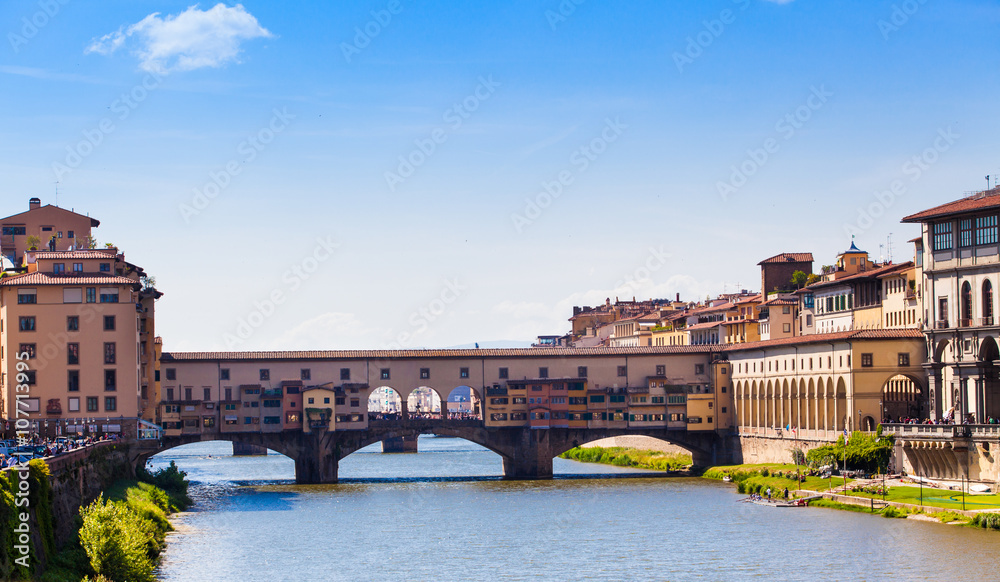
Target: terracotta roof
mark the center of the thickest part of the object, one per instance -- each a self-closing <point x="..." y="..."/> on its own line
<point x="978" y="201"/>
<point x="781" y="301"/>
<point x="40" y="278"/>
<point x="856" y="335"/>
<point x="916" y="240"/>
<point x="876" y="272"/>
<point x="902" y="268"/>
<point x="457" y="354"/>
<point x="788" y="258"/>
<point x="707" y="325"/>
<point x="82" y="254"/>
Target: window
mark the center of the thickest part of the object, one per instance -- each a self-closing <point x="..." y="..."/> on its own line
<point x="171" y="373"/>
<point x="26" y="323"/>
<point x="463" y="372"/>
<point x="866" y="360"/>
<point x="110" y="403"/>
<point x="904" y="359"/>
<point x="74" y="404"/>
<point x="91" y="404"/>
<point x="786" y="328"/>
<point x="661" y="370"/>
<point x="109" y="323"/>
<point x="581" y="371"/>
<point x="77" y="267"/>
<point x="91" y="294"/>
<point x="109" y="295"/>
<point x="111" y="381"/>
<point x="543" y="372"/>
<point x="105" y="267"/>
<point x="58" y="268"/>
<point x="73" y="354"/>
<point x="965" y="232"/>
<point x="340" y="401"/>
<point x="596" y="399"/>
<point x="14" y="230"/>
<point x="207" y="393"/>
<point x="26" y="296"/>
<point x="73" y="323"/>
<point x="27" y="349"/>
<point x="942" y="236"/>
<point x="502" y="373"/>
<point x="699" y="368"/>
<point x="265" y="375"/>
<point x="987" y="302"/>
<point x="224" y="374"/>
<point x="966" y="304"/>
<point x="986" y="230"/>
<point x="808" y="300"/>
<point x="622" y="371"/>
<point x="271" y="403"/>
<point x="109" y="353"/>
<point x="208" y="421"/>
<point x="385" y="373"/>
<point x="345" y="373"/>
<point x="305" y="374"/>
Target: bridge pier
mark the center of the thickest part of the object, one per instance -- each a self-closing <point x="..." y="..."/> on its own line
<point x="317" y="463"/>
<point x="527" y="466"/>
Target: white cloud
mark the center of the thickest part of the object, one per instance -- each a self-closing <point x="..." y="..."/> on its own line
<point x="190" y="40"/>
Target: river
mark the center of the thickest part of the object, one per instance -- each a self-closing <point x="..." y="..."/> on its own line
<point x="445" y="514"/>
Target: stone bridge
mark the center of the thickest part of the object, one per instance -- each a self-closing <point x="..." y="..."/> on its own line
<point x="527" y="453"/>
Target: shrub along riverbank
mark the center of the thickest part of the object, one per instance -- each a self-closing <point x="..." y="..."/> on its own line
<point x="624" y="457"/>
<point x="119" y="537"/>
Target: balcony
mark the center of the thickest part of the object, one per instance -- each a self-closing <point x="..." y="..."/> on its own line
<point x="941" y="324"/>
<point x="498" y="391"/>
<point x="272" y="392"/>
<point x="986" y="320"/>
<point x="967" y="322"/>
<point x="638" y="389"/>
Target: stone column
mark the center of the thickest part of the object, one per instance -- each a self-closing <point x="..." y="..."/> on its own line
<point x="316" y="461"/>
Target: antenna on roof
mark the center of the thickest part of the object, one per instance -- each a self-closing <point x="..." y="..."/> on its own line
<point x="57" y="191"/>
<point x="888" y="249"/>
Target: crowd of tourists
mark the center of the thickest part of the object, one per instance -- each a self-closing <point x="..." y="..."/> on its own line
<point x="12" y="453"/>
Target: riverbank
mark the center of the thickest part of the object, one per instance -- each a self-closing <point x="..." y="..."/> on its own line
<point x="121" y="535"/>
<point x="635" y="458"/>
<point x="889" y="498"/>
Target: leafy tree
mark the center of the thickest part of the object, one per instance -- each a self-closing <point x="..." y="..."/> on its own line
<point x="32" y="241"/>
<point x="117" y="541"/>
<point x="813" y="278"/>
<point x="799" y="279"/>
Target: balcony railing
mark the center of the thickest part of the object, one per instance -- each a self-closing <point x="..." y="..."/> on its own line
<point x="965" y="322"/>
<point x="986" y="320"/>
<point x="941" y="324"/>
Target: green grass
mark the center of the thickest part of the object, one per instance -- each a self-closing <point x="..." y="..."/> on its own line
<point x="624" y="457"/>
<point x="757" y="478"/>
<point x="935" y="498"/>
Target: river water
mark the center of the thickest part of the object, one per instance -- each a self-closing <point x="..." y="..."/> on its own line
<point x="444" y="514"/>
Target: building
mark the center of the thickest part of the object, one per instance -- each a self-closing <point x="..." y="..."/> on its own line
<point x="959" y="266"/>
<point x="78" y="315"/>
<point x="776" y="272"/>
<point x="56" y="229"/>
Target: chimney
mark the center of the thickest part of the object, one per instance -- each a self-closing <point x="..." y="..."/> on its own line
<point x="678" y="297"/>
<point x="34" y="204"/>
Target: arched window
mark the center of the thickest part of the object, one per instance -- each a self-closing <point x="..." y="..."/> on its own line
<point x="987" y="302"/>
<point x="966" y="317"/>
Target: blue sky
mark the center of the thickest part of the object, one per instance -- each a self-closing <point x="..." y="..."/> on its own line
<point x="685" y="143"/>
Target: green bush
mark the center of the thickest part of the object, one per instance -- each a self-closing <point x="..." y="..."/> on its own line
<point x="173" y="481"/>
<point x="118" y="541"/>
<point x="987" y="521"/>
<point x="893" y="512"/>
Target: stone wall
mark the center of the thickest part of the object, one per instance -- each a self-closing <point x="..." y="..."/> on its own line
<point x="758" y="449"/>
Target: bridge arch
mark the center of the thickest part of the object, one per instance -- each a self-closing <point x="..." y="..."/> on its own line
<point x="424" y="400"/>
<point x="463" y="402"/>
<point x="385" y="400"/>
<point x="291" y="448"/>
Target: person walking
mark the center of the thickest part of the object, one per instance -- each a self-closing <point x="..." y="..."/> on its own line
<point x="768" y="493"/>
